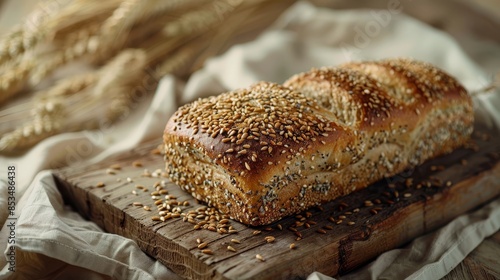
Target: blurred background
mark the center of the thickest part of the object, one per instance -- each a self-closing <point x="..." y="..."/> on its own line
<point x="71" y="65"/>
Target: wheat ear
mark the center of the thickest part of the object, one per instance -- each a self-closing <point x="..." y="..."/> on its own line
<point x="12" y="81"/>
<point x="109" y="90"/>
<point x="46" y="122"/>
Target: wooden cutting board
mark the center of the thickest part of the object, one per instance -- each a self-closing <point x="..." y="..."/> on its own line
<point x="381" y="217"/>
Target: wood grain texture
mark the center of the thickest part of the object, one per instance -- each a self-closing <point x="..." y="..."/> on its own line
<point x="404" y="207"/>
<point x="482" y="263"/>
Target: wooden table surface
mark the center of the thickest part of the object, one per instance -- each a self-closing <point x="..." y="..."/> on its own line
<point x="482" y="263"/>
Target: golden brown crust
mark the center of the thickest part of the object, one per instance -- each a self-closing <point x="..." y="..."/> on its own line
<point x="269" y="151"/>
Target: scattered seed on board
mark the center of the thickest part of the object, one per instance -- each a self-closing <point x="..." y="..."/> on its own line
<point x="198" y="240"/>
<point x="407" y="194"/>
<point x="110" y="171"/>
<point x="234" y="240"/>
<point x="211" y="228"/>
<point x="163" y="213"/>
<point x="137" y="204"/>
<point x="158" y="202"/>
<point x="207" y="251"/>
<point x="269" y="239"/>
<point x="409" y="182"/>
<point x="351" y="223"/>
<point x="293" y="246"/>
<point x="322" y="231"/>
<point x="147" y="208"/>
<point x="231" y="248"/>
<point x="260" y="257"/>
<point x="155" y="218"/>
<point x="202" y="245"/>
<point x="129" y="180"/>
<point x="255" y="232"/>
<point x="137" y="164"/>
<point x="100" y="185"/>
<point x="115" y="166"/>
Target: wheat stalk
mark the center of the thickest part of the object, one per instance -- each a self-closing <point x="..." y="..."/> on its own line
<point x="70" y="86"/>
<point x="124" y="68"/>
<point x="45" y="123"/>
<point x="493" y="85"/>
<point x="14" y="115"/>
<point x="111" y="95"/>
<point x="111" y="87"/>
<point x="11" y="45"/>
<point x="46" y="117"/>
<point x="36" y="28"/>
<point x="120" y="39"/>
<point x="125" y="15"/>
<point x="96" y="41"/>
<point x="13" y="81"/>
<point x="201" y="19"/>
<point x="79" y="15"/>
<point x="175" y="62"/>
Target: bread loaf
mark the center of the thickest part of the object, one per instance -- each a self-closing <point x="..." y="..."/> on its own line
<point x="268" y="151"/>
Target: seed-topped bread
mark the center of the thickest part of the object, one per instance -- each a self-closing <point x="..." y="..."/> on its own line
<point x="270" y="150"/>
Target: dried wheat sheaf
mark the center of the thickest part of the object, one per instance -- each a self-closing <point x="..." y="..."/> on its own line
<point x="79" y="64"/>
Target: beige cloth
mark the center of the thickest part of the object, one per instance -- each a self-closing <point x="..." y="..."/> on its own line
<point x="53" y="242"/>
